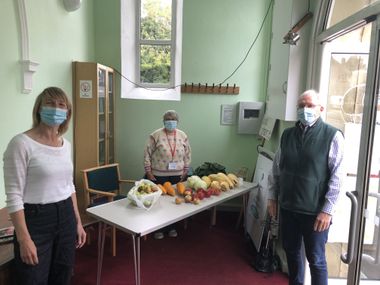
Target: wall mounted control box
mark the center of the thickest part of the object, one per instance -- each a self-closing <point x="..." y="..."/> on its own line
<point x="249" y="118"/>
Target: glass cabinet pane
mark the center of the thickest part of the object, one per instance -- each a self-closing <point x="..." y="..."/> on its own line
<point x="110" y="137"/>
<point x="102" y="152"/>
<point x="111" y="157"/>
<point x="101" y="89"/>
<point x="102" y="127"/>
<point x="110" y="92"/>
<point x="101" y="139"/>
<point x="111" y="152"/>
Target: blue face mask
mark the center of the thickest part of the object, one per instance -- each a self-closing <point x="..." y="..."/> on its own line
<point x="170" y="125"/>
<point x="307" y="116"/>
<point x="53" y="116"/>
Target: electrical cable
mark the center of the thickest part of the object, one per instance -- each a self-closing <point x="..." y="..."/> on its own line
<point x="253" y="43"/>
<point x="228" y="77"/>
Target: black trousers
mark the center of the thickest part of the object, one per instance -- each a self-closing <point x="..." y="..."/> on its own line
<point x="52" y="228"/>
<point x="161" y="180"/>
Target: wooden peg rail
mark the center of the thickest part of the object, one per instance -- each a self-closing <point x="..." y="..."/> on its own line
<point x="210" y="89"/>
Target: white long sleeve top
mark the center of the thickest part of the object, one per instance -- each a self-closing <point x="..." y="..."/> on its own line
<point x="36" y="173"/>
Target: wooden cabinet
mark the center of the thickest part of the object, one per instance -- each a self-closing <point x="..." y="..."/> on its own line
<point x="288" y="63"/>
<point x="93" y="116"/>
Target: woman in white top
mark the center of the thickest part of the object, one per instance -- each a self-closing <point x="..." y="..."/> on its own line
<point x="41" y="200"/>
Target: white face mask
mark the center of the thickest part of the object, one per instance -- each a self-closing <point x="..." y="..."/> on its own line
<point x="307" y="116"/>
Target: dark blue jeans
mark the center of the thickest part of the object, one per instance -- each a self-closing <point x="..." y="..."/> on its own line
<point x="52" y="228"/>
<point x="296" y="228"/>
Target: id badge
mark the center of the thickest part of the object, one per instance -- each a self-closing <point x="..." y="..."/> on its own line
<point x="172" y="166"/>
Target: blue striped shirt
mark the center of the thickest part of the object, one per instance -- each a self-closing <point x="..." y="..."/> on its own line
<point x="335" y="164"/>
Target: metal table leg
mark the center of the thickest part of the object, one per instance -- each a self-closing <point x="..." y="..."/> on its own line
<point x="137" y="258"/>
<point x="242" y="214"/>
<point x="101" y="238"/>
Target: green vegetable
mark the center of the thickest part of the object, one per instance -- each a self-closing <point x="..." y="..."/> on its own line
<point x="196" y="182"/>
<point x="208" y="168"/>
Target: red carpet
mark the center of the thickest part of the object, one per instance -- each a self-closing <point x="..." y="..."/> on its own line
<point x="200" y="255"/>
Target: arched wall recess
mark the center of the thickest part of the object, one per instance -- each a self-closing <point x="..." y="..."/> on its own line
<point x="71" y="5"/>
<point x="28" y="66"/>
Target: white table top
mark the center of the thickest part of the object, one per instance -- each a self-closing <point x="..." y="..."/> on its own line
<point x="131" y="219"/>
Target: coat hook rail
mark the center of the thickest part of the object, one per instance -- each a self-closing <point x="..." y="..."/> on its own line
<point x="210" y="89"/>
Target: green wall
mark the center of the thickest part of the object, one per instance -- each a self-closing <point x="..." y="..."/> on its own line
<point x="56" y="38"/>
<point x="216" y="36"/>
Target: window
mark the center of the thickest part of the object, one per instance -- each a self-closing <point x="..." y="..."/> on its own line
<point x="341" y="9"/>
<point x="151" y="39"/>
<point x="155" y="44"/>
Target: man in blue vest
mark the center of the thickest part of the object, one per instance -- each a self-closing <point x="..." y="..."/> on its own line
<point x="305" y="180"/>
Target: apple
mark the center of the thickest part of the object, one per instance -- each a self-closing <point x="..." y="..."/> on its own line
<point x="200" y="195"/>
<point x="200" y="190"/>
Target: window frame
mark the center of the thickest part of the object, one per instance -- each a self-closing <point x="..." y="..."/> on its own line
<point x="130" y="62"/>
<point x="321" y="34"/>
<point x="171" y="43"/>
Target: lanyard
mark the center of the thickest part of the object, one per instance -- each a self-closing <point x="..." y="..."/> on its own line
<point x="172" y="149"/>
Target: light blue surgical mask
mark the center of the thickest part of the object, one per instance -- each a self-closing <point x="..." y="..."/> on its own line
<point x="53" y="116"/>
<point x="307" y="116"/>
<point x="170" y="125"/>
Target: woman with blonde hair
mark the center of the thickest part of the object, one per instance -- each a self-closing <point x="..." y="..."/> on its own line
<point x="41" y="199"/>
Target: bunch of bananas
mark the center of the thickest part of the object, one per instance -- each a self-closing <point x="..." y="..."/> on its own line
<point x="221" y="181"/>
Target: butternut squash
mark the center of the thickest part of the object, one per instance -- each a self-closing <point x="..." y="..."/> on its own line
<point x="163" y="189"/>
<point x="181" y="188"/>
<point x="169" y="188"/>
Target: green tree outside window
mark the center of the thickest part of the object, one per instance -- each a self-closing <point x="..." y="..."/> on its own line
<point x="155" y="41"/>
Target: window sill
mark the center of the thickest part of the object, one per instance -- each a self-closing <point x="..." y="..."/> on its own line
<point x="156" y="94"/>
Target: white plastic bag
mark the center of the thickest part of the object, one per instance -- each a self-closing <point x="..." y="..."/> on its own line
<point x="144" y="199"/>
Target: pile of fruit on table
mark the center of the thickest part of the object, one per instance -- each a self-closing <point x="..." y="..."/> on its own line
<point x="197" y="188"/>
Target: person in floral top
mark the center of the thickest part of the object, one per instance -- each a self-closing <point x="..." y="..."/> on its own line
<point x="167" y="155"/>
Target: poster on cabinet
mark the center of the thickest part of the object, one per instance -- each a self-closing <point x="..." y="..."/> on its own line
<point x="85" y="89"/>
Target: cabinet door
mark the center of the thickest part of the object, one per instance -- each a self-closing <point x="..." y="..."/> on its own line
<point x="102" y="116"/>
<point x="110" y="118"/>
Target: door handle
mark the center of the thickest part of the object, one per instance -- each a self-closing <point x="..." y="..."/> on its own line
<point x="347" y="257"/>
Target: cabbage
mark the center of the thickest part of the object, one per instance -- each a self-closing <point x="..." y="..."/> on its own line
<point x="196" y="182"/>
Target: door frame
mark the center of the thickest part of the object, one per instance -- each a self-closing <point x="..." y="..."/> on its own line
<point x="321" y="35"/>
<point x="366" y="146"/>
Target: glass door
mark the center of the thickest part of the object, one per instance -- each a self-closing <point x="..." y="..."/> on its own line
<point x="349" y="78"/>
<point x="111" y="136"/>
<point x="102" y="116"/>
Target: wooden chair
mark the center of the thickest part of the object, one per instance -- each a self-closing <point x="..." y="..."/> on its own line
<point x="102" y="184"/>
